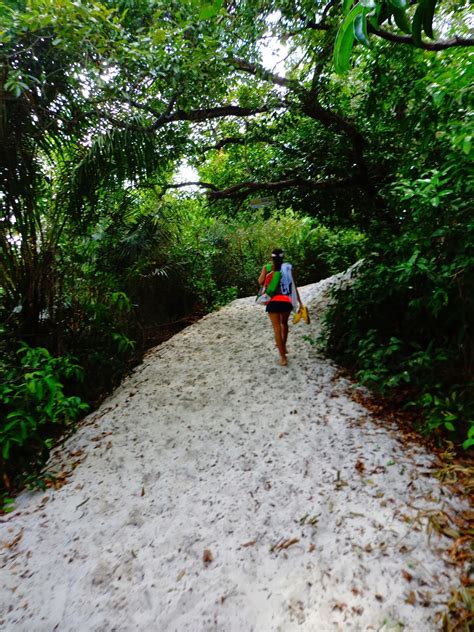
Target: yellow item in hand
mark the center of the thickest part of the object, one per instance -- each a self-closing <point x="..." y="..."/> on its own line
<point x="302" y="313"/>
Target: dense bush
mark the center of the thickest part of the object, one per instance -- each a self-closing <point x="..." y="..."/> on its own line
<point x="34" y="408"/>
<point x="228" y="255"/>
<point x="406" y="324"/>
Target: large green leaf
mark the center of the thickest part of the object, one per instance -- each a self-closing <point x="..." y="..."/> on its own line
<point x="402" y="21"/>
<point x="346" y="5"/>
<point x="417" y="23"/>
<point x="428" y="14"/>
<point x="345" y="40"/>
<point x="360" y="29"/>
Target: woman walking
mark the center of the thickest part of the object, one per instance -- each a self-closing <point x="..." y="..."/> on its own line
<point x="284" y="298"/>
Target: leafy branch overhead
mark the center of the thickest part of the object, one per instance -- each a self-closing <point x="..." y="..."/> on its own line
<point x="413" y="19"/>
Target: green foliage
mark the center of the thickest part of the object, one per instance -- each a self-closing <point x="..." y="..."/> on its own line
<point x="405" y="324"/>
<point x="411" y="18"/>
<point x="32" y="403"/>
<point x="226" y="255"/>
<point x="407" y="321"/>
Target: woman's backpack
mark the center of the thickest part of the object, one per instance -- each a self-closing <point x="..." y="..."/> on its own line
<point x="269" y="287"/>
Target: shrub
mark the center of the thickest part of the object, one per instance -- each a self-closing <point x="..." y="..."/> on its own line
<point x="34" y="408"/>
<point x="407" y="322"/>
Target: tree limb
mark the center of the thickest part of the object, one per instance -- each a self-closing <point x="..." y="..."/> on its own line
<point x="311" y="107"/>
<point x="245" y="188"/>
<point x="196" y="116"/>
<point x="205" y="114"/>
<point x="180" y="185"/>
<point x="408" y="39"/>
<point x="317" y="26"/>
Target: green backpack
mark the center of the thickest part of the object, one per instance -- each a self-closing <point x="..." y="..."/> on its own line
<point x="266" y="293"/>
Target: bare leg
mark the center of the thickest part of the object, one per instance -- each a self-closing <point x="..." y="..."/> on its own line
<point x="275" y="318"/>
<point x="284" y="328"/>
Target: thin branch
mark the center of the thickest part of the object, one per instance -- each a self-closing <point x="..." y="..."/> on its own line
<point x="236" y="140"/>
<point x="232" y="140"/>
<point x="180" y="185"/>
<point x="310" y="24"/>
<point x="316" y="26"/>
<point x="243" y="189"/>
<point x="408" y="39"/>
<point x="259" y="71"/>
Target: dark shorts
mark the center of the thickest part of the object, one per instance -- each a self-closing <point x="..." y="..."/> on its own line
<point x="279" y="307"/>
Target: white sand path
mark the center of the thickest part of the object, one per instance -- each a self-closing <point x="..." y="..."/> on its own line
<point x="211" y="445"/>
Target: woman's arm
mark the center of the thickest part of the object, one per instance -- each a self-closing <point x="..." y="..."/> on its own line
<point x="262" y="276"/>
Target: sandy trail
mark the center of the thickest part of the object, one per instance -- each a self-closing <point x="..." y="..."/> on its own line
<point x="211" y="445"/>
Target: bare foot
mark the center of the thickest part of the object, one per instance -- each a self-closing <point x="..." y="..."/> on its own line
<point x="283" y="361"/>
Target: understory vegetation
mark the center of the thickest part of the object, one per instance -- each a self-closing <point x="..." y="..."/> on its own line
<point x="358" y="146"/>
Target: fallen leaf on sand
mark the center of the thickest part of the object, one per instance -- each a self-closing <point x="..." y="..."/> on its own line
<point x="180" y="575"/>
<point x="142" y="493"/>
<point x="359" y="466"/>
<point x="379" y="597"/>
<point x="14" y="542"/>
<point x="411" y="599"/>
<point x="251" y="543"/>
<point x="408" y="576"/>
<point x="283" y="544"/>
<point x="311" y="548"/>
<point x="57" y="481"/>
<point x="82" y="503"/>
<point x="207" y="556"/>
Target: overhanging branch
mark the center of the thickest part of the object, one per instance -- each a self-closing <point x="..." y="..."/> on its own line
<point x="311" y="107"/>
<point x="195" y="116"/>
<point x="245" y="188"/>
<point x="181" y="185"/>
<point x="408" y="39"/>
